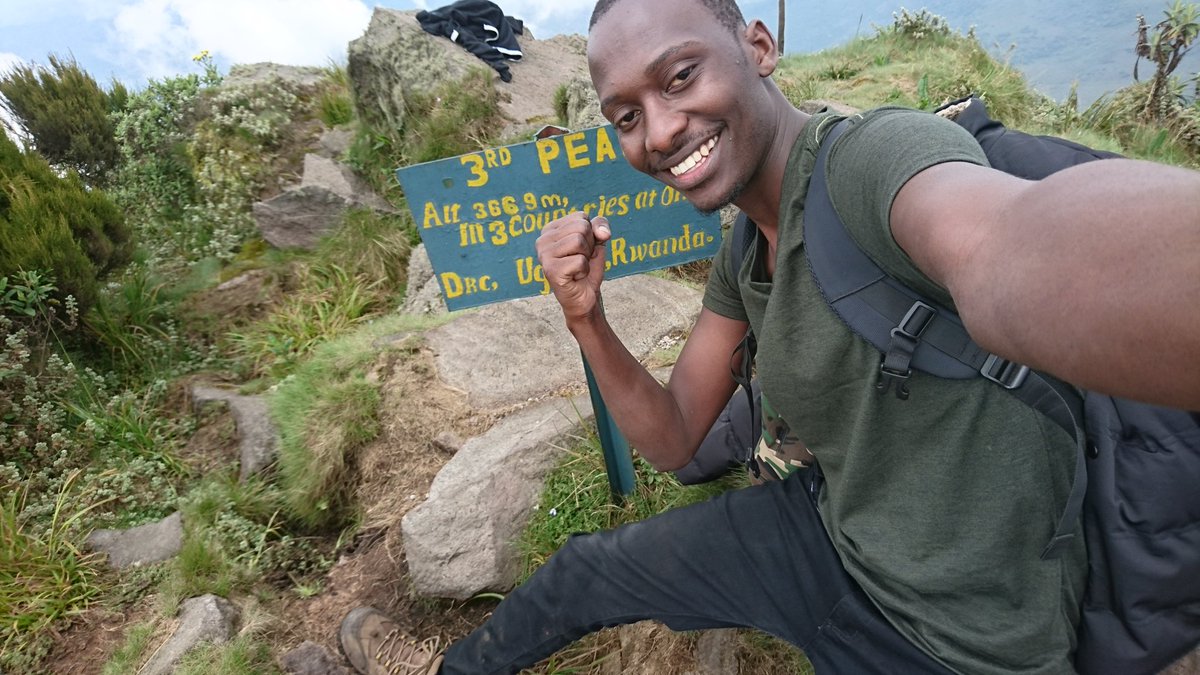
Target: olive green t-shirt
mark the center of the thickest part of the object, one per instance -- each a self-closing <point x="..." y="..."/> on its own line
<point x="939" y="505"/>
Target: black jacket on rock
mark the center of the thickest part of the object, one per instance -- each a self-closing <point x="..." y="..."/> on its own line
<point x="481" y="28"/>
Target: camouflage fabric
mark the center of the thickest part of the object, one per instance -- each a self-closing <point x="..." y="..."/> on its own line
<point x="779" y="452"/>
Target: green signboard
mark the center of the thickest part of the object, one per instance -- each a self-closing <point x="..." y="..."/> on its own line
<point x="480" y="214"/>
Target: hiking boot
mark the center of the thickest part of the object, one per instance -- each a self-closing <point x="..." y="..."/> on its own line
<point x="375" y="645"/>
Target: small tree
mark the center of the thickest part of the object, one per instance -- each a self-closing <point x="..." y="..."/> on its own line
<point x="62" y="113"/>
<point x="56" y="225"/>
<point x="1165" y="46"/>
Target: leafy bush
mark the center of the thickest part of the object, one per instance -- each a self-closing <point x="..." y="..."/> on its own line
<point x="65" y="116"/>
<point x="155" y="182"/>
<point x="56" y="225"/>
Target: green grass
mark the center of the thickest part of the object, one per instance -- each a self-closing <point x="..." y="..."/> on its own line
<point x="129" y="655"/>
<point x="45" y="577"/>
<point x="326" y="411"/>
<point x="576" y="498"/>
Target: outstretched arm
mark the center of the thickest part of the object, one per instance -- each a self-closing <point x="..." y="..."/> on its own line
<point x="665" y="424"/>
<point x="1092" y="274"/>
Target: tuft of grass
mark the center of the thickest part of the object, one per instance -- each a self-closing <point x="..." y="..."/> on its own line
<point x="132" y="651"/>
<point x="325" y="412"/>
<point x="375" y="246"/>
<point x="329" y="302"/>
<point x="561" y="104"/>
<point x="44" y="576"/>
<point x="335" y="107"/>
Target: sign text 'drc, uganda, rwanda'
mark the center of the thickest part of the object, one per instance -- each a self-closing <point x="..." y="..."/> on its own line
<point x="479" y="214"/>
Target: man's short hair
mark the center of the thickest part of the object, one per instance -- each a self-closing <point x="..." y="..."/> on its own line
<point x="726" y="11"/>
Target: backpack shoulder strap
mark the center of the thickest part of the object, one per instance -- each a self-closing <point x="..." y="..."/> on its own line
<point x="743" y="239"/>
<point x="913" y="331"/>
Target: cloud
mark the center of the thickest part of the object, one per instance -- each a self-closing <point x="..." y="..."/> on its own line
<point x="159" y="37"/>
<point x="550" y="17"/>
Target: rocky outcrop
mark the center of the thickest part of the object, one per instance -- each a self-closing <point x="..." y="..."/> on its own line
<point x="294" y="78"/>
<point x="460" y="541"/>
<point x="395" y="59"/>
<point x="142" y="545"/>
<point x="506" y="354"/>
<point x="301" y="215"/>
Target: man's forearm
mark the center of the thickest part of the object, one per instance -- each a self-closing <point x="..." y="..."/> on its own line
<point x="646" y="413"/>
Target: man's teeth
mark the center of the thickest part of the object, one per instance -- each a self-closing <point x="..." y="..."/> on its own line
<point x="692" y="160"/>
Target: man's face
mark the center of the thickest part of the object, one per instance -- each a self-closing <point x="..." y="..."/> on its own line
<point x="685" y="96"/>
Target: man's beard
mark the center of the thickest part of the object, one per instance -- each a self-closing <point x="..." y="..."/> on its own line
<point x="731" y="197"/>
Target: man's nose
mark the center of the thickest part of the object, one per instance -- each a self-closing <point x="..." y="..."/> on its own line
<point x="663" y="127"/>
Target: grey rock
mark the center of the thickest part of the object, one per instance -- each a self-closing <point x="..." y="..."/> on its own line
<point x="1187" y="665"/>
<point x="142" y="545"/>
<point x="311" y="658"/>
<point x="340" y="180"/>
<point x="508" y="353"/>
<point x="448" y="442"/>
<point x="716" y="652"/>
<point x="335" y="143"/>
<point x="460" y="541"/>
<point x="424" y="295"/>
<point x="273" y="74"/>
<point x="257" y="436"/>
<point x="299" y="217"/>
<point x="207" y="618"/>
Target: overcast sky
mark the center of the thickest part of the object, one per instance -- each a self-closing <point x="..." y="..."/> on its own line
<point x="133" y="40"/>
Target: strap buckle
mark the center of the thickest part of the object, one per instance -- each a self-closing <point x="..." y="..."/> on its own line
<point x="894" y="367"/>
<point x="1004" y="372"/>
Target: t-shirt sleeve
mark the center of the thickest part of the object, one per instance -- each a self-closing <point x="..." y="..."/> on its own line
<point x="872" y="161"/>
<point x="721" y="294"/>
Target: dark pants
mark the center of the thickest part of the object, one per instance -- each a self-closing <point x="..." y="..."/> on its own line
<point x="755" y="557"/>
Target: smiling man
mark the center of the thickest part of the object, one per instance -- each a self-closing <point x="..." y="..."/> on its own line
<point x="917" y="546"/>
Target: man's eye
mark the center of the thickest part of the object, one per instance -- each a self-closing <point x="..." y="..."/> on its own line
<point x="684" y="74"/>
<point x="624" y="121"/>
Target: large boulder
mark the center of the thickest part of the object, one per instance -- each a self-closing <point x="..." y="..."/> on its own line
<point x="509" y="353"/>
<point x="396" y="58"/>
<point x="460" y="541"/>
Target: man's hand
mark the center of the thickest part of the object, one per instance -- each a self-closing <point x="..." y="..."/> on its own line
<point x="572" y="252"/>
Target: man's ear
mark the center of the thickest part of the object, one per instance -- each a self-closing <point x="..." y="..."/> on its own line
<point x="763" y="45"/>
